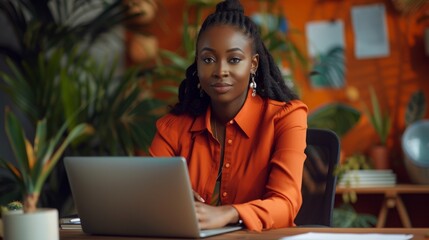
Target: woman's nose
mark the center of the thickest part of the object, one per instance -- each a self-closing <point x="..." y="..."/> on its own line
<point x="222" y="70"/>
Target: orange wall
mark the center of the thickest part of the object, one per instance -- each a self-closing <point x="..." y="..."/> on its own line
<point x="395" y="77"/>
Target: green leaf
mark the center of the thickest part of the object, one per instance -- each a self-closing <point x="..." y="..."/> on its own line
<point x="19" y="89"/>
<point x="124" y="137"/>
<point x="337" y="117"/>
<point x="380" y="120"/>
<point x="78" y="131"/>
<point x="126" y="104"/>
<point x="40" y="138"/>
<point x="16" y="137"/>
<point x="6" y="165"/>
<point x="330" y="69"/>
<point x="345" y="216"/>
<point x="416" y="107"/>
<point x="40" y="148"/>
<point x="69" y="97"/>
<point x="176" y="59"/>
<point x="120" y="89"/>
<point x="376" y="116"/>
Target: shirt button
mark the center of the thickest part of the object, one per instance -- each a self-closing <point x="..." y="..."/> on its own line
<point x="224" y="194"/>
<point x="229" y="141"/>
<point x="227" y="165"/>
<point x="231" y="122"/>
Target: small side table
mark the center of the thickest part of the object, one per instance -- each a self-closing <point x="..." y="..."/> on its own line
<point x="392" y="199"/>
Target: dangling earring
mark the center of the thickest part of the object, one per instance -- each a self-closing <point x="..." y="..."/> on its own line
<point x="253" y="84"/>
<point x="201" y="90"/>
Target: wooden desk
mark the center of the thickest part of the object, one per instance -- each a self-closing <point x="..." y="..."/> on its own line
<point x="392" y="199"/>
<point x="419" y="233"/>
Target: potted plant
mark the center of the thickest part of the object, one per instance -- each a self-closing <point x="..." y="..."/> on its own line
<point x="34" y="162"/>
<point x="53" y="71"/>
<point x="381" y="122"/>
<point x="352" y="164"/>
<point x="345" y="215"/>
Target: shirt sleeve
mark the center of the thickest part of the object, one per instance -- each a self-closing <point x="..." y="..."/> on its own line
<point x="166" y="137"/>
<point x="282" y="199"/>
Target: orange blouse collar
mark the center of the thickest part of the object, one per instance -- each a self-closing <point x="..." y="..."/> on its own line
<point x="244" y="118"/>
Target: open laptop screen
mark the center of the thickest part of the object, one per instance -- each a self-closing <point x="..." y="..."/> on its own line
<point x="135" y="196"/>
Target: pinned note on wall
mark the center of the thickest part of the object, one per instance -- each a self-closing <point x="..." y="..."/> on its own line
<point x="370" y="31"/>
<point x="326" y="44"/>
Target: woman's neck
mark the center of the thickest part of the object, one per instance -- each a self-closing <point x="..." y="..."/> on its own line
<point x="224" y="112"/>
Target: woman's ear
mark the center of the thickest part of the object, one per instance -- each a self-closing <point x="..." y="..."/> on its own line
<point x="255" y="63"/>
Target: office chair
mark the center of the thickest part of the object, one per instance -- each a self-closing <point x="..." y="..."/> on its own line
<point x="319" y="181"/>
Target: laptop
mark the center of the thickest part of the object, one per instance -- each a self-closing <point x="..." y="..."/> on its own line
<point x="135" y="196"/>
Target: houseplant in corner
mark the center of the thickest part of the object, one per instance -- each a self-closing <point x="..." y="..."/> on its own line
<point x="35" y="161"/>
<point x="51" y="54"/>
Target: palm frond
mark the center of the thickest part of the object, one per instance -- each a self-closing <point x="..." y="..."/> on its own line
<point x="16" y="136"/>
<point x="78" y="131"/>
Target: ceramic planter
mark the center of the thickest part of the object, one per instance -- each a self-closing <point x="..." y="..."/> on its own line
<point x="380" y="157"/>
<point x="39" y="225"/>
<point x="1" y="228"/>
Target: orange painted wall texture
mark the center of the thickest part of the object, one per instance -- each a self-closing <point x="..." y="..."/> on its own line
<point x="394" y="77"/>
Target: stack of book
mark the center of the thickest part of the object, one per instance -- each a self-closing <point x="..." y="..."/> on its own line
<point x="368" y="178"/>
<point x="70" y="223"/>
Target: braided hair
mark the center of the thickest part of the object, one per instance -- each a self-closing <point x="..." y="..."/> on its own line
<point x="268" y="76"/>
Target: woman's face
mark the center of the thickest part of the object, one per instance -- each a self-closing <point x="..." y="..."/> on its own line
<point x="225" y="60"/>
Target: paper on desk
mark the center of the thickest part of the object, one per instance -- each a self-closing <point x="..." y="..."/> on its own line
<point x="348" y="236"/>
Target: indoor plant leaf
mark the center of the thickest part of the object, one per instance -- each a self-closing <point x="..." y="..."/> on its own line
<point x="17" y="139"/>
<point x="329" y="69"/>
<point x="79" y="130"/>
<point x="337" y="117"/>
<point x="416" y="107"/>
<point x="379" y="119"/>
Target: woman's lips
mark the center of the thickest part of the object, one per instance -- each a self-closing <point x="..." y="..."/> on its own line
<point x="221" y="88"/>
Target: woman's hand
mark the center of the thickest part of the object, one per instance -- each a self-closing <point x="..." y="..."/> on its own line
<point x="215" y="216"/>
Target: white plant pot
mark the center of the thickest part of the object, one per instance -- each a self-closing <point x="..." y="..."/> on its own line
<point x="1" y="228"/>
<point x="39" y="225"/>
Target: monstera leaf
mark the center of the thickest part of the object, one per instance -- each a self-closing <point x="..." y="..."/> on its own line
<point x="337" y="117"/>
<point x="329" y="69"/>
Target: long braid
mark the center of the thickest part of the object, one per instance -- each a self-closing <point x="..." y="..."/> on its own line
<point x="268" y="76"/>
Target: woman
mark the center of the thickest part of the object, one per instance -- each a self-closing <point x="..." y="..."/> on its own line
<point x="241" y="129"/>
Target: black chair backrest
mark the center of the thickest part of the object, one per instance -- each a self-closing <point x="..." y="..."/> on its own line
<point x="319" y="181"/>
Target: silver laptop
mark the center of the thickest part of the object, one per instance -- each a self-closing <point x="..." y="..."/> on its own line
<point x="135" y="196"/>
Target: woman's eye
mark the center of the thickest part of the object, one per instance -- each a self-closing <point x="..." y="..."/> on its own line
<point x="208" y="60"/>
<point x="235" y="60"/>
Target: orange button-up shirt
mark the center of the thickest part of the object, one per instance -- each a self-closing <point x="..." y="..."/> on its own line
<point x="263" y="158"/>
